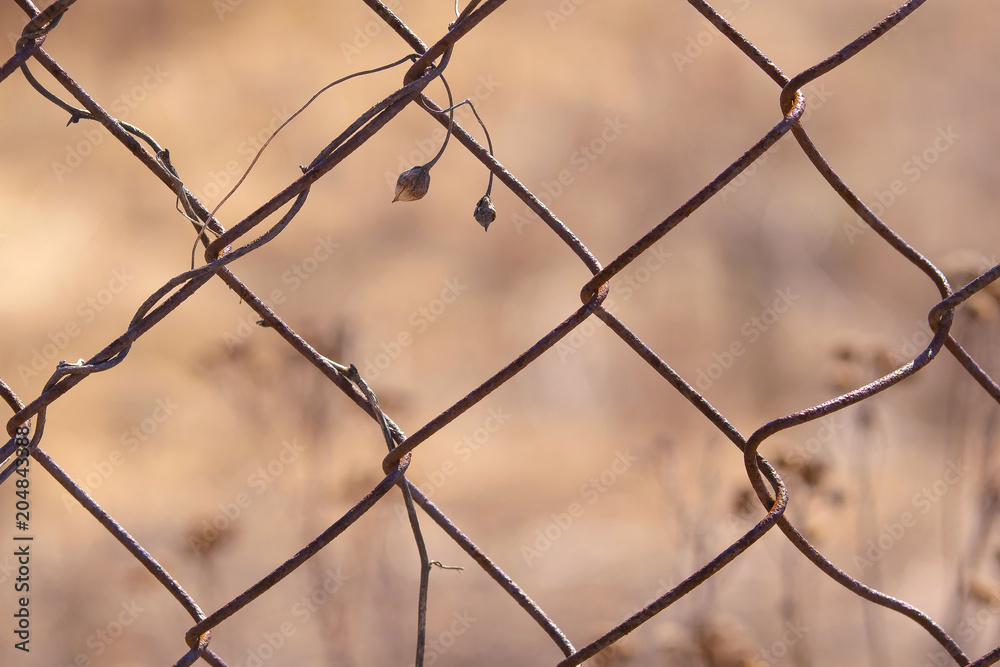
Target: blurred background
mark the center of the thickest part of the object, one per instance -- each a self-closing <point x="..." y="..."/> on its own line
<point x="587" y="478"/>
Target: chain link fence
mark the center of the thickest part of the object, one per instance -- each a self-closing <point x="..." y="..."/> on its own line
<point x="766" y="496"/>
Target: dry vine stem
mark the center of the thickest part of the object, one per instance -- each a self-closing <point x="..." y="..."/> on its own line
<point x="428" y="63"/>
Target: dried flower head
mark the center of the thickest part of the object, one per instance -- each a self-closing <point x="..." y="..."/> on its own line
<point x="413" y="184"/>
<point x="485" y="212"/>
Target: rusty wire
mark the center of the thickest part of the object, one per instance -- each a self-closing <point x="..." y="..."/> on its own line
<point x="428" y="63"/>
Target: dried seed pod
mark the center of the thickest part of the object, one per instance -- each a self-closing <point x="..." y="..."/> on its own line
<point x="485" y="212"/>
<point x="413" y="184"/>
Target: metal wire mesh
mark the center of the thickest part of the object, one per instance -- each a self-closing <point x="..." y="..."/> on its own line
<point x="225" y="245"/>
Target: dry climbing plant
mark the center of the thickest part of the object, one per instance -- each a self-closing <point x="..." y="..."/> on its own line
<point x="223" y="246"/>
